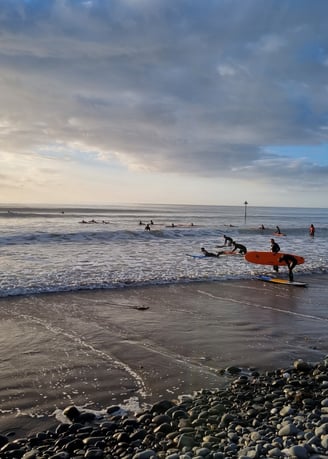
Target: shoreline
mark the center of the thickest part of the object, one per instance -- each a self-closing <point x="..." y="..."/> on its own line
<point x="98" y="348"/>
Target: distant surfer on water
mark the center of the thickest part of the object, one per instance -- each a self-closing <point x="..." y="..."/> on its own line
<point x="291" y="262"/>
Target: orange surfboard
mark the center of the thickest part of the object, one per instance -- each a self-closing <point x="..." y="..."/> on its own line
<point x="269" y="258"/>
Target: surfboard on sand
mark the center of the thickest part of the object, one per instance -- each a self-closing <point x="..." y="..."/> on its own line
<point x="281" y="281"/>
<point x="269" y="258"/>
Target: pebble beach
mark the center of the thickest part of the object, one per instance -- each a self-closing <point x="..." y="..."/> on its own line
<point x="277" y="414"/>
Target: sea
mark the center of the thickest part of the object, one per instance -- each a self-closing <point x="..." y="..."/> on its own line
<point x="55" y="248"/>
<point x="97" y="311"/>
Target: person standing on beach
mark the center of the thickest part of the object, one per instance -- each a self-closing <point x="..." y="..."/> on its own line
<point x="311" y="230"/>
<point x="291" y="262"/>
<point x="275" y="248"/>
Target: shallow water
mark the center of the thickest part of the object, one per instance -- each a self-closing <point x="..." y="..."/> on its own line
<point x="49" y="250"/>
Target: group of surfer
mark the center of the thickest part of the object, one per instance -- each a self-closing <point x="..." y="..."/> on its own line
<point x="172" y="225"/>
<point x="94" y="221"/>
<point x="228" y="241"/>
<point x="286" y="258"/>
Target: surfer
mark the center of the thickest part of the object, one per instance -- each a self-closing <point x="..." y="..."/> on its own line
<point x="278" y="230"/>
<point x="228" y="240"/>
<point x="208" y="254"/>
<point x="147" y="227"/>
<point x="275" y="248"/>
<point x="312" y="230"/>
<point x="242" y="249"/>
<point x="291" y="262"/>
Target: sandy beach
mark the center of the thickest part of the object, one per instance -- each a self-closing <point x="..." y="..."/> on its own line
<point x="134" y="346"/>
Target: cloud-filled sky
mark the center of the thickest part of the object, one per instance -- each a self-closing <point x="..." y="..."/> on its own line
<point x="164" y="101"/>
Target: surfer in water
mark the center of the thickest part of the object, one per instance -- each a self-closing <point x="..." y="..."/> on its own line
<point x="242" y="249"/>
<point x="291" y="262"/>
<point x="275" y="248"/>
<point x="208" y="254"/>
<point x="228" y="240"/>
<point x="312" y="230"/>
<point x="278" y="230"/>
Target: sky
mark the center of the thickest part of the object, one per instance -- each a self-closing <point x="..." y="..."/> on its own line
<point x="164" y="101"/>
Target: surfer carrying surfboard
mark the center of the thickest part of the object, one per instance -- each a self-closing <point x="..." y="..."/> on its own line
<point x="291" y="262"/>
<point x="275" y="248"/>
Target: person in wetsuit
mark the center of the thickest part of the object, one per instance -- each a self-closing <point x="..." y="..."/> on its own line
<point x="242" y="249"/>
<point x="275" y="248"/>
<point x="291" y="262"/>
<point x="208" y="254"/>
<point x="312" y="230"/>
<point x="228" y="240"/>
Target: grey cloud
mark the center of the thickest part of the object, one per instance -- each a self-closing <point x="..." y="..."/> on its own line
<point x="188" y="87"/>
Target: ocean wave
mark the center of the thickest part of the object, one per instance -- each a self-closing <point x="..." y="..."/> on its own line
<point x="29" y="290"/>
<point x="101" y="235"/>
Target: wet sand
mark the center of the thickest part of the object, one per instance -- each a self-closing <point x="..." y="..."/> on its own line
<point x="136" y="346"/>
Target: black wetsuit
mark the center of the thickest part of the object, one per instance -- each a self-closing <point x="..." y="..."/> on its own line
<point x="228" y="240"/>
<point x="242" y="249"/>
<point x="209" y="254"/>
<point x="291" y="262"/>
<point x="275" y="247"/>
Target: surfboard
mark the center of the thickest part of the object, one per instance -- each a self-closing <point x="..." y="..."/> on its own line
<point x="269" y="258"/>
<point x="281" y="281"/>
<point x="199" y="256"/>
<point x="280" y="234"/>
<point x="229" y="252"/>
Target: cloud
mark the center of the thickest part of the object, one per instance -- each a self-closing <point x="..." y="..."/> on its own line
<point x="199" y="89"/>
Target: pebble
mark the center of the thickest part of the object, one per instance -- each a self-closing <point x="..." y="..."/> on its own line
<point x="279" y="414"/>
